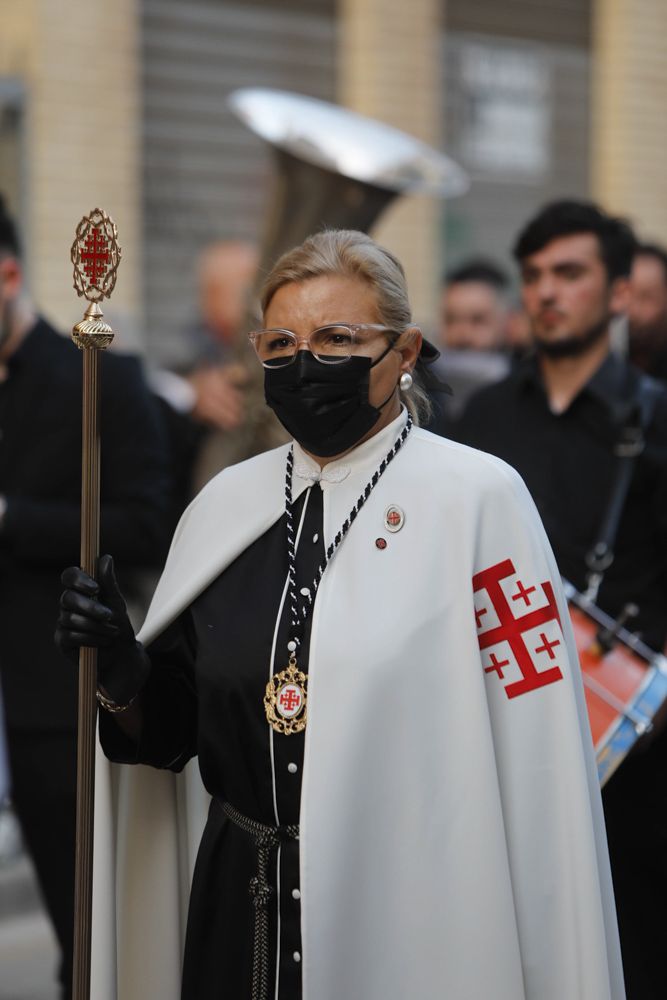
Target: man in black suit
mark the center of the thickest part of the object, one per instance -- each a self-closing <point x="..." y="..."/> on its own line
<point x="40" y="476"/>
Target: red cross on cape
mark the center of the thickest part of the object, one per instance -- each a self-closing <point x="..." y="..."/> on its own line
<point x="513" y="631"/>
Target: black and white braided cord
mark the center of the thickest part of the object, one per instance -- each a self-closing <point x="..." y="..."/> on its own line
<point x="267" y="839"/>
<point x="299" y="616"/>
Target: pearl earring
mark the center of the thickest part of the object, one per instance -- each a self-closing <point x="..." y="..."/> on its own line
<point x="405" y="381"/>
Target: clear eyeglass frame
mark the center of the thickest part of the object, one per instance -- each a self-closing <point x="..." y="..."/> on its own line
<point x="345" y="348"/>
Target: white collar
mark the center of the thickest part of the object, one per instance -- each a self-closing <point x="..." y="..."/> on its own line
<point x="362" y="460"/>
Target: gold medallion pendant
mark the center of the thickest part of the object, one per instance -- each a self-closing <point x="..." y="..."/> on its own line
<point x="286" y="698"/>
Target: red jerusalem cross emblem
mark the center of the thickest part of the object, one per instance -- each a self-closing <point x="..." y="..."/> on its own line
<point x="95" y="254"/>
<point x="290" y="699"/>
<point x="286" y="699"/>
<point x="517" y="641"/>
<point x="394" y="518"/>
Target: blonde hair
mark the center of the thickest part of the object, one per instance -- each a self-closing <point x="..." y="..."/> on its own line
<point x="353" y="254"/>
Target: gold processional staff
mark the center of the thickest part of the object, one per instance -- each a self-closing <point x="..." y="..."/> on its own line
<point x="96" y="256"/>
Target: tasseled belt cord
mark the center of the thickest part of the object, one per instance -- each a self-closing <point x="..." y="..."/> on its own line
<point x="267" y="839"/>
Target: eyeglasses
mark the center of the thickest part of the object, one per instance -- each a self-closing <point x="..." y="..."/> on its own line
<point x="332" y="345"/>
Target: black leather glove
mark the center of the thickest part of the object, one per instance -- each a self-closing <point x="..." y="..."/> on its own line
<point x="94" y="614"/>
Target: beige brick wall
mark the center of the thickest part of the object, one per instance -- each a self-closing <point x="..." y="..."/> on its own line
<point x="629" y="133"/>
<point x="16" y="36"/>
<point x="79" y="62"/>
<point x="390" y="68"/>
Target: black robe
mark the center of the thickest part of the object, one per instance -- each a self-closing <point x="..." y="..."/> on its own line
<point x="205" y="696"/>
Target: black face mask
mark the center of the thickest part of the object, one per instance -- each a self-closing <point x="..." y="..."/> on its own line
<point x="324" y="407"/>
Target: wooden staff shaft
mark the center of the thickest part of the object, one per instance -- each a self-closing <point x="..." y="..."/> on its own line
<point x="90" y="540"/>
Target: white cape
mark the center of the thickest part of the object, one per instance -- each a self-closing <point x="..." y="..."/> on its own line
<point x="452" y="840"/>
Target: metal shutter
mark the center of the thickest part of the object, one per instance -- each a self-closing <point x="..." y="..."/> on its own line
<point x="556" y="22"/>
<point x="205" y="176"/>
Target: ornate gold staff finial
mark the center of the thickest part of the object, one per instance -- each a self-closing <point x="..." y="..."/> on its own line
<point x="96" y="255"/>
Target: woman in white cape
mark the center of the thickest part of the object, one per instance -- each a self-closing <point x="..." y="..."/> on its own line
<point x="361" y="636"/>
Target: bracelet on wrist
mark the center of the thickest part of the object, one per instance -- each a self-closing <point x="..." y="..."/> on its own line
<point x="111" y="706"/>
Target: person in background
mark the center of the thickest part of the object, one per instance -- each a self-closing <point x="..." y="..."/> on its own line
<point x="560" y="419"/>
<point x="203" y="402"/>
<point x="647" y="310"/>
<point x="474" y="307"/>
<point x="472" y="336"/>
<point x="226" y="272"/>
<point x="40" y="487"/>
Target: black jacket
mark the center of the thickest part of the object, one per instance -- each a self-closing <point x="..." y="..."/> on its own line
<point x="40" y="477"/>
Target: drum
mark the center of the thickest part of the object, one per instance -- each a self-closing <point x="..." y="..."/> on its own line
<point x="625" y="682"/>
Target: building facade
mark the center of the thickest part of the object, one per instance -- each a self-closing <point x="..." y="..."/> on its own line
<point x="124" y="106"/>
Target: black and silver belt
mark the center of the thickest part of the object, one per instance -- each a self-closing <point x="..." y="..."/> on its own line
<point x="267" y="839"/>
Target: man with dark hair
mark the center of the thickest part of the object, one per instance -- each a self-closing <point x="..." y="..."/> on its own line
<point x="560" y="418"/>
<point x="616" y="242"/>
<point x="473" y="325"/>
<point x="647" y="312"/>
<point x="474" y="307"/>
<point x="479" y="269"/>
<point x="40" y="476"/>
